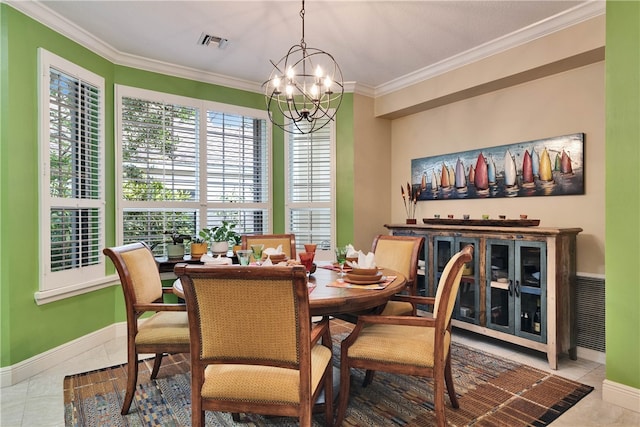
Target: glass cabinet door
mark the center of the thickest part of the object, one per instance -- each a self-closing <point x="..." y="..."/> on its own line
<point x="467" y="306"/>
<point x="442" y="253"/>
<point x="467" y="300"/>
<point x="500" y="285"/>
<point x="530" y="290"/>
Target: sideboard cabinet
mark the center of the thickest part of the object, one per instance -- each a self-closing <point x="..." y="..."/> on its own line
<point x="519" y="287"/>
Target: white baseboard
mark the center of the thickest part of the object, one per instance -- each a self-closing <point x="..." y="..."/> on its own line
<point x="621" y="395"/>
<point x="10" y="375"/>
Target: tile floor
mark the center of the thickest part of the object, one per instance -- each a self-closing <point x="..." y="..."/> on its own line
<point x="25" y="403"/>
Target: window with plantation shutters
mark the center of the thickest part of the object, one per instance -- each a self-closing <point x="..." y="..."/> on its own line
<point x="237" y="175"/>
<point x="72" y="179"/>
<point x="310" y="187"/>
<point x="185" y="164"/>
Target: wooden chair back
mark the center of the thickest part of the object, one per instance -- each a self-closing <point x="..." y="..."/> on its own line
<point x="288" y="242"/>
<point x="399" y="253"/>
<point x="246" y="324"/>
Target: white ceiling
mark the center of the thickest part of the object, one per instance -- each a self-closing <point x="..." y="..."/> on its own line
<point x="378" y="44"/>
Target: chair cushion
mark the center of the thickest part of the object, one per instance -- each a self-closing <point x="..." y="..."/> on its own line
<point x="410" y="345"/>
<point x="253" y="383"/>
<point x="170" y="327"/>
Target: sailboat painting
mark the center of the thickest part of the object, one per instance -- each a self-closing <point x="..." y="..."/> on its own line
<point x="544" y="167"/>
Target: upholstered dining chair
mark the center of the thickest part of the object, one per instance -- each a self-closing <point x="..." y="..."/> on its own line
<point x="399" y="253"/>
<point x="253" y="347"/>
<point x="409" y="345"/>
<point x="166" y="331"/>
<point x="288" y="242"/>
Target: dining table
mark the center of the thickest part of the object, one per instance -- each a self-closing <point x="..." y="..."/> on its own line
<point x="330" y="294"/>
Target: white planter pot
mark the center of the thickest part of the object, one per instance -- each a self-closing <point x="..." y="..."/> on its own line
<point x="175" y="251"/>
<point x="219" y="247"/>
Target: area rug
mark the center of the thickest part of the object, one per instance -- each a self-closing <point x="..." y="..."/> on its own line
<point x="492" y="392"/>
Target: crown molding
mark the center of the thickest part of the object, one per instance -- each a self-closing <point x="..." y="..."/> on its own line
<point x="58" y="23"/>
<point x="524" y="35"/>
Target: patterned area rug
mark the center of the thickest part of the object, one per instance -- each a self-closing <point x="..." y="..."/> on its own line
<point x="492" y="392"/>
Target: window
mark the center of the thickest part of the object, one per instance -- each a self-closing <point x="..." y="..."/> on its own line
<point x="310" y="187"/>
<point x="185" y="164"/>
<point x="72" y="177"/>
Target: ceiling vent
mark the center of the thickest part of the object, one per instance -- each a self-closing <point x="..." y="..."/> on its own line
<point x="207" y="40"/>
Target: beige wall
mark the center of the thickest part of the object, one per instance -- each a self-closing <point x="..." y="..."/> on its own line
<point x="372" y="151"/>
<point x="559" y="103"/>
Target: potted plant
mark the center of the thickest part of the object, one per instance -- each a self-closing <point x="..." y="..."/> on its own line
<point x="175" y="249"/>
<point x="221" y="236"/>
<point x="199" y="246"/>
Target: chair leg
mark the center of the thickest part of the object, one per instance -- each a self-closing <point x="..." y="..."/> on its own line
<point x="438" y="400"/>
<point x="449" y="381"/>
<point x="197" y="418"/>
<point x="235" y="416"/>
<point x="368" y="377"/>
<point x="343" y="397"/>
<point x="156" y="365"/>
<point x="132" y="379"/>
<point x="328" y="397"/>
<point x="197" y="414"/>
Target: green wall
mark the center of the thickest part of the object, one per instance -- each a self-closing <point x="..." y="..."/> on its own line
<point x="27" y="329"/>
<point x="622" y="65"/>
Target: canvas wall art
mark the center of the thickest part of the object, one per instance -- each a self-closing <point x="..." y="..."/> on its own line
<point x="544" y="167"/>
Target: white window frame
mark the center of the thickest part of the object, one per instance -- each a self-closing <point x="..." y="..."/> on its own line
<point x="202" y="205"/>
<point x="322" y="254"/>
<point x="56" y="285"/>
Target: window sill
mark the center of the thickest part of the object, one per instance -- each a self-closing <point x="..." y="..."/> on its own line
<point x="51" y="295"/>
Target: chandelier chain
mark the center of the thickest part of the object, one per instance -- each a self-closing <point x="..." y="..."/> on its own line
<point x="302" y="43"/>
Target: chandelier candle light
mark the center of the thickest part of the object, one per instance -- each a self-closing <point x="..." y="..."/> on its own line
<point x="410" y="208"/>
<point x="305" y="88"/>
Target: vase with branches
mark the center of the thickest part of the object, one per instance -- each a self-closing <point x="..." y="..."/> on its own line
<point x="410" y="199"/>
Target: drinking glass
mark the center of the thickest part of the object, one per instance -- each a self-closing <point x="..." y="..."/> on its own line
<point x="257" y="252"/>
<point x="243" y="256"/>
<point x="310" y="247"/>
<point x="341" y="257"/>
<point x="306" y="259"/>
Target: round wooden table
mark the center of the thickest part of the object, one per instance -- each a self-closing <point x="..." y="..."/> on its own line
<point x="328" y="300"/>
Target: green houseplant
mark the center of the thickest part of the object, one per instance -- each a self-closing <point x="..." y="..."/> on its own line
<point x="221" y="236"/>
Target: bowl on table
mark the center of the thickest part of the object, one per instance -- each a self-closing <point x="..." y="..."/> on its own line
<point x="364" y="271"/>
<point x="364" y="278"/>
<point x="275" y="258"/>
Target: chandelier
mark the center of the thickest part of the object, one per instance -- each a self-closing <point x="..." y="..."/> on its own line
<point x="305" y="88"/>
